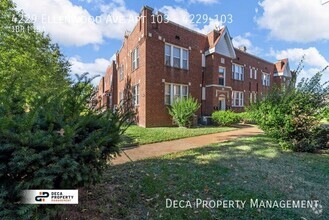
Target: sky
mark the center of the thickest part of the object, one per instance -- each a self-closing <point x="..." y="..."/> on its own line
<point x="90" y="32"/>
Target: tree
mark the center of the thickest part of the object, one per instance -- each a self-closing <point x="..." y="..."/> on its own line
<point x="28" y="59"/>
<point x="58" y="143"/>
<point x="50" y="138"/>
<point x="292" y="113"/>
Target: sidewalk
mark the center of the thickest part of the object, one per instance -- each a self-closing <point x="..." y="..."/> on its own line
<point x="162" y="148"/>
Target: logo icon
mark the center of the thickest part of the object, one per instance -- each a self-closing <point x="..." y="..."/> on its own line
<point x="41" y="197"/>
<point x="317" y="209"/>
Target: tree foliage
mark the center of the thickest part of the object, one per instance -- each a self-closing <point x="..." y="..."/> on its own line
<point x="182" y="111"/>
<point x="292" y="113"/>
<point x="50" y="136"/>
<point x="58" y="143"/>
<point x="28" y="58"/>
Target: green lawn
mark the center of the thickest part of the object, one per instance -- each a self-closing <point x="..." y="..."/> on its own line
<point x="248" y="168"/>
<point x="139" y="135"/>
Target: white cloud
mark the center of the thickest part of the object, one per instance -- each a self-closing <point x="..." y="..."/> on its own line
<point x="67" y="24"/>
<point x="313" y="61"/>
<point x="295" y="20"/>
<point x="96" y="68"/>
<point x="312" y="56"/>
<point x="239" y="41"/>
<point x="116" y="19"/>
<point x="182" y="16"/>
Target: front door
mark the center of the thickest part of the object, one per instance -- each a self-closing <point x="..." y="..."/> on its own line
<point x="221" y="104"/>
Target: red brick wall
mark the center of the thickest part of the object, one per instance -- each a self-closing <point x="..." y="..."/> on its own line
<point x="135" y="39"/>
<point x="157" y="71"/>
<point x="153" y="73"/>
<point x="247" y="60"/>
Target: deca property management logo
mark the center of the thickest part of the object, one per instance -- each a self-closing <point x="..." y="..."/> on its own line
<point x="45" y="196"/>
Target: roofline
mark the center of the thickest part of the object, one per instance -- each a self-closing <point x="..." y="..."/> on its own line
<point x="188" y="29"/>
<point x="249" y="54"/>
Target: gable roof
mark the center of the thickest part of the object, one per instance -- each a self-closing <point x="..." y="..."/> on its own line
<point x="223" y="44"/>
<point x="282" y="68"/>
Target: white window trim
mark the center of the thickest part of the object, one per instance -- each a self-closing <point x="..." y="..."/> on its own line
<point x="172" y="90"/>
<point x="135" y="93"/>
<point x="266" y="79"/>
<point x="224" y="74"/>
<point x="135" y="59"/>
<point x="241" y="74"/>
<point x="121" y="72"/>
<point x="181" y="56"/>
<point x="240" y="98"/>
<point x="253" y="73"/>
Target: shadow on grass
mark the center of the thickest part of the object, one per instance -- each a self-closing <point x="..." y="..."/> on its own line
<point x="243" y="169"/>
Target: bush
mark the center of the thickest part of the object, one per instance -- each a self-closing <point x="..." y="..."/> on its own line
<point x="292" y="114"/>
<point x="225" y="117"/>
<point x="246" y="118"/>
<point x="183" y="110"/>
<point x="57" y="142"/>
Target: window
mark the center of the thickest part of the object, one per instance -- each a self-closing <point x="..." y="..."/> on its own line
<point x="221" y="77"/>
<point x="167" y="54"/>
<point x="184" y="91"/>
<point x="167" y="94"/>
<point x="266" y="79"/>
<point x="176" y="56"/>
<point x="121" y="72"/>
<point x="237" y="99"/>
<point x="253" y="73"/>
<point x="252" y="97"/>
<point x="175" y="91"/>
<point x="135" y="59"/>
<point x="221" y="81"/>
<point x="185" y="59"/>
<point x="135" y="95"/>
<point x="237" y="72"/>
<point x="222" y="60"/>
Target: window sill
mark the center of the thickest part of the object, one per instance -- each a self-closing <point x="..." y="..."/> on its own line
<point x="178" y="68"/>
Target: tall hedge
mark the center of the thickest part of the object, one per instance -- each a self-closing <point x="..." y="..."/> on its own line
<point x="58" y="142"/>
<point x="292" y="114"/>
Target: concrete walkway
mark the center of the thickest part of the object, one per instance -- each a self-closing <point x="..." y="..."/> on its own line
<point x="162" y="148"/>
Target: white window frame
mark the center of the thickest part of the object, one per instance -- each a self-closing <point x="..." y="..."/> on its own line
<point x="224" y="75"/>
<point x="121" y="72"/>
<point x="181" y="56"/>
<point x="135" y="94"/>
<point x="168" y="55"/>
<point x="253" y="73"/>
<point x="252" y="97"/>
<point x="135" y="59"/>
<point x="266" y="79"/>
<point x="239" y="97"/>
<point x="237" y="72"/>
<point x="175" y="91"/>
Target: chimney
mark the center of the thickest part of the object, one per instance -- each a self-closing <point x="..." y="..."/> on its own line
<point x="243" y="48"/>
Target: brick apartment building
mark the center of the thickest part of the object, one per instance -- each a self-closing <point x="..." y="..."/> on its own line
<point x="162" y="61"/>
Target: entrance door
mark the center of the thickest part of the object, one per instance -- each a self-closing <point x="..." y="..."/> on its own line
<point x="221" y="104"/>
